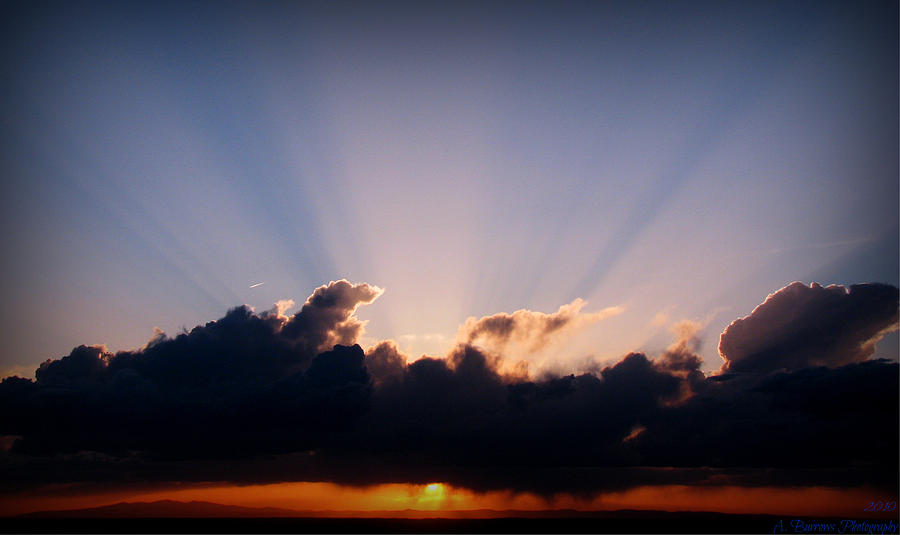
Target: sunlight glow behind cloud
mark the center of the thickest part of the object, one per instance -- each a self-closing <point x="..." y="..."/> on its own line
<point x="682" y="162"/>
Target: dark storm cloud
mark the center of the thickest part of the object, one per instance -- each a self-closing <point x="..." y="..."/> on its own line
<point x="800" y="326"/>
<point x="200" y="393"/>
<point x="816" y="422"/>
<point x="244" y="399"/>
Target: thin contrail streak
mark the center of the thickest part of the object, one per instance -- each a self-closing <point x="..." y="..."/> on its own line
<point x="257" y="284"/>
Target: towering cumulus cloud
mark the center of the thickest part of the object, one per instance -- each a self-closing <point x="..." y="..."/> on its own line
<point x="277" y="398"/>
<point x="800" y="326"/>
<point x="327" y="317"/>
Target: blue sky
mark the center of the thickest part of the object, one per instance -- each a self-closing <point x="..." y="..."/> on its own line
<point x="677" y="160"/>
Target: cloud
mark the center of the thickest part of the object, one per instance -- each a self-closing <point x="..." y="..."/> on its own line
<point x="385" y="362"/>
<point x="824" y="426"/>
<point x="327" y="317"/>
<point x="281" y="307"/>
<point x="84" y="365"/>
<point x="533" y="330"/>
<point x="681" y="355"/>
<point x="263" y="395"/>
<point x="179" y="396"/>
<point x="800" y="326"/>
<point x="681" y="359"/>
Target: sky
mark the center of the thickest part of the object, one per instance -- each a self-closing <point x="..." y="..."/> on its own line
<point x="628" y="176"/>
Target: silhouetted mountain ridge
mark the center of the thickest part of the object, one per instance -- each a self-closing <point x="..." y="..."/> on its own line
<point x="165" y="509"/>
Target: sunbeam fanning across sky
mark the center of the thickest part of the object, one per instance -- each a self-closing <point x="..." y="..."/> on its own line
<point x="461" y="256"/>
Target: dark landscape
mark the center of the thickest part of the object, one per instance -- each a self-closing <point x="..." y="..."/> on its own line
<point x="169" y="516"/>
